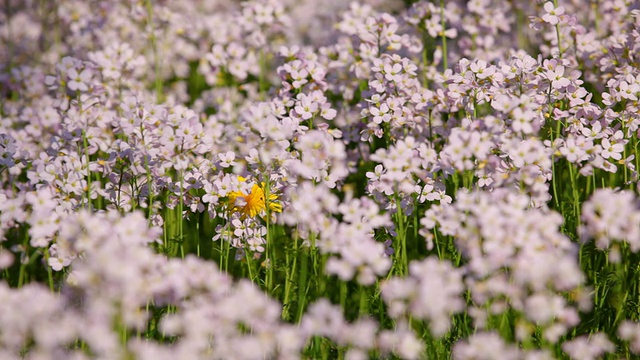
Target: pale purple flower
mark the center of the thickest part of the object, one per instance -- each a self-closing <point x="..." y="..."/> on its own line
<point x="611" y="216"/>
<point x="556" y="76"/>
<point x="78" y="81"/>
<point x="589" y="347"/>
<point x="227" y="159"/>
<point x="8" y="150"/>
<point x="6" y="259"/>
<point x="575" y="149"/>
<point x="434" y="297"/>
<point x="402" y="341"/>
<point x="485" y="346"/>
<point x="552" y="14"/>
<point x="610" y="150"/>
<point x="630" y="331"/>
<point x="629" y="91"/>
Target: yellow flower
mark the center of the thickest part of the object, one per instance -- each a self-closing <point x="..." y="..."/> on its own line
<point x="254" y="202"/>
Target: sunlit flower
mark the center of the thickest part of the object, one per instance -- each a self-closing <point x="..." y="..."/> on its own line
<point x="254" y="203"/>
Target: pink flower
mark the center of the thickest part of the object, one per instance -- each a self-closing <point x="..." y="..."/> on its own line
<point x="629" y="91"/>
<point x="556" y="76"/>
<point x="306" y="107"/>
<point x="590" y="347"/>
<point x="611" y="150"/>
<point x="485" y="346"/>
<point x="78" y="81"/>
<point x="553" y="14"/>
<point x="227" y="159"/>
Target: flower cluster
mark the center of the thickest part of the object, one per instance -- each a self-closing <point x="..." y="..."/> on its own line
<point x="277" y="179"/>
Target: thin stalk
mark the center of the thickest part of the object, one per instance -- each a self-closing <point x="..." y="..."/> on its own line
<point x="364" y="307"/>
<point x="436" y="242"/>
<point x="303" y="286"/>
<point x="425" y="60"/>
<point x="290" y="269"/>
<point x="165" y="228"/>
<point x="198" y="235"/>
<point x="271" y="249"/>
<point x="444" y="37"/>
<point x="154" y="46"/>
<point x="49" y="271"/>
<point x="149" y="179"/>
<point x="10" y="44"/>
<point x="181" y="209"/>
<point x="555" y="4"/>
<point x="559" y="39"/>
<point x="249" y="260"/>
<point x="85" y="144"/>
<point x="23" y="264"/>
<point x="343" y="295"/>
<point x="401" y="240"/>
<point x="574" y="190"/>
<point x="263" y="85"/>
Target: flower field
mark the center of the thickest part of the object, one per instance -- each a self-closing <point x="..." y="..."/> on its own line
<point x="300" y="179"/>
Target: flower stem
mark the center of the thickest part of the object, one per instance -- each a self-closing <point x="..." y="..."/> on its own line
<point x="154" y="45"/>
<point x="444" y="37"/>
<point x="401" y="240"/>
<point x="290" y="269"/>
<point x="303" y="286"/>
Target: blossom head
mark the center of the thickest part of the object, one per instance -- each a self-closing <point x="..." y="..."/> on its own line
<point x="253" y="203"/>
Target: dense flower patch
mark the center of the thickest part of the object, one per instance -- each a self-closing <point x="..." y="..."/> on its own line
<point x="283" y="179"/>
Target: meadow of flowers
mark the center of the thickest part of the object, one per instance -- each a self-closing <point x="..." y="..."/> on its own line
<point x="285" y="179"/>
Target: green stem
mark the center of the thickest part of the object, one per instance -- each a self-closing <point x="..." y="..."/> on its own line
<point x="271" y="249"/>
<point x="343" y="295"/>
<point x="574" y="190"/>
<point x="154" y="45"/>
<point x="227" y="251"/>
<point x="263" y="85"/>
<point x="198" y="235"/>
<point x="249" y="265"/>
<point x="364" y="308"/>
<point x="85" y="144"/>
<point x="444" y="37"/>
<point x="555" y="4"/>
<point x="49" y="271"/>
<point x="23" y="264"/>
<point x="425" y="60"/>
<point x="149" y="180"/>
<point x="401" y="240"/>
<point x="290" y="270"/>
<point x="303" y="286"/>
<point x="180" y="210"/>
<point x="559" y="44"/>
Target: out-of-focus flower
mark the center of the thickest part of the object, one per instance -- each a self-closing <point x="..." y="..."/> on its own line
<point x="482" y="346"/>
<point x="591" y="347"/>
<point x="8" y="149"/>
<point x="630" y="331"/>
<point x="432" y="292"/>
<point x="78" y="80"/>
<point x="610" y="216"/>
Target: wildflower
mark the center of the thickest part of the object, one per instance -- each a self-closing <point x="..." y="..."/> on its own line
<point x="610" y="216"/>
<point x="78" y="80"/>
<point x="592" y="347"/>
<point x="553" y="14"/>
<point x="8" y="149"/>
<point x="630" y="331"/>
<point x="253" y="203"/>
<point x="434" y="297"/>
<point x="484" y="345"/>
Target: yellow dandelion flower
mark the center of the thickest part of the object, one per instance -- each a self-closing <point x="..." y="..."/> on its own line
<point x="253" y="203"/>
